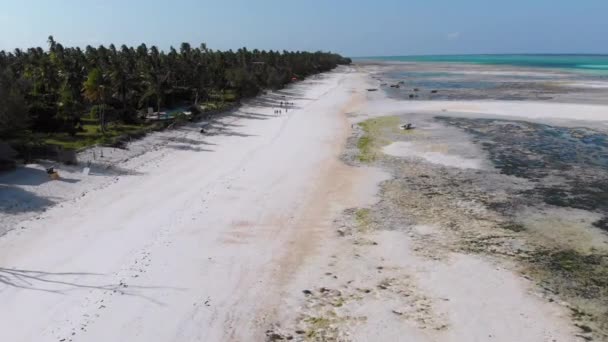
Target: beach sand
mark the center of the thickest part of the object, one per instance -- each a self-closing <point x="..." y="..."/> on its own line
<point x="265" y="229"/>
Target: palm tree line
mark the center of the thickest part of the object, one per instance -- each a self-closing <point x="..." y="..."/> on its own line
<point x="51" y="90"/>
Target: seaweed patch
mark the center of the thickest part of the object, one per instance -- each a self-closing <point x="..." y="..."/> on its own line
<point x="569" y="166"/>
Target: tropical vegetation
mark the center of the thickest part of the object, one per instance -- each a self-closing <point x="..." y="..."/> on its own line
<point x="66" y="94"/>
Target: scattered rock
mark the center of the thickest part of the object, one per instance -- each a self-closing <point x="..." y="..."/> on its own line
<point x="272" y="336"/>
<point x="398" y="312"/>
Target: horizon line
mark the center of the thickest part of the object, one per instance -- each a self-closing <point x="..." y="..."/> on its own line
<point x="488" y="54"/>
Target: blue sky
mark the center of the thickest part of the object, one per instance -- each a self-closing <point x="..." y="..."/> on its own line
<point x="353" y="28"/>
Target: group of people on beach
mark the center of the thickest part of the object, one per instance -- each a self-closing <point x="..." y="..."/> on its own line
<point x="283" y="105"/>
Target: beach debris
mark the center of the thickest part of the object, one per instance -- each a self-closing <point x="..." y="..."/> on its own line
<point x="394" y="85"/>
<point x="372" y="89"/>
<point x="407" y="126"/>
<point x="204" y="126"/>
<point x="411" y="96"/>
<point x="53" y="174"/>
<point x="398" y="312"/>
<point x="416" y="89"/>
<point x="401" y="82"/>
<point x="434" y="91"/>
<point x="273" y="335"/>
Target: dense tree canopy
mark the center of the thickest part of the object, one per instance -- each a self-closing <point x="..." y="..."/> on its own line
<point x="50" y="90"/>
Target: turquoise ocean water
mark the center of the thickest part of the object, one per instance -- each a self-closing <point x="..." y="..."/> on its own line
<point x="592" y="64"/>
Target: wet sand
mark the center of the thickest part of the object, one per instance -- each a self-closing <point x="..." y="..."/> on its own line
<point x="519" y="183"/>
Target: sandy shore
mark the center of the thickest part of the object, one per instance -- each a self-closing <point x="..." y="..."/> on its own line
<point x="260" y="230"/>
<point x="189" y="240"/>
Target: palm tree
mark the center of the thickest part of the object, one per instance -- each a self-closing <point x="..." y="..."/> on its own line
<point x="156" y="84"/>
<point x="95" y="90"/>
<point x="53" y="84"/>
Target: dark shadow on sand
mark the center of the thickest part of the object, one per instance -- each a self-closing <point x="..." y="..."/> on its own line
<point x="56" y="283"/>
<point x="188" y="141"/>
<point x="101" y="169"/>
<point x="189" y="148"/>
<point x="14" y="200"/>
<point x="228" y="132"/>
<point x="25" y="176"/>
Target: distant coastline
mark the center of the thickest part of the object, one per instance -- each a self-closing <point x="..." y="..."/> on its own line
<point x="589" y="63"/>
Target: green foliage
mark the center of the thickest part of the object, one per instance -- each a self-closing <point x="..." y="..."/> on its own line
<point x="91" y="134"/>
<point x="95" y="87"/>
<point x="180" y="117"/>
<point x="50" y="91"/>
<point x="13" y="110"/>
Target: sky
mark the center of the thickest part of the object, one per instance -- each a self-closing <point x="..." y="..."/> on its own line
<point x="352" y="28"/>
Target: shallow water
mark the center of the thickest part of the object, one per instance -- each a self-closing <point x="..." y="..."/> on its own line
<point x="433" y="153"/>
<point x="597" y="63"/>
<point x="453" y="81"/>
<point x="569" y="166"/>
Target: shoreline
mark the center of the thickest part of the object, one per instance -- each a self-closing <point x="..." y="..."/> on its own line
<point x="277" y="227"/>
<point x="389" y="249"/>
